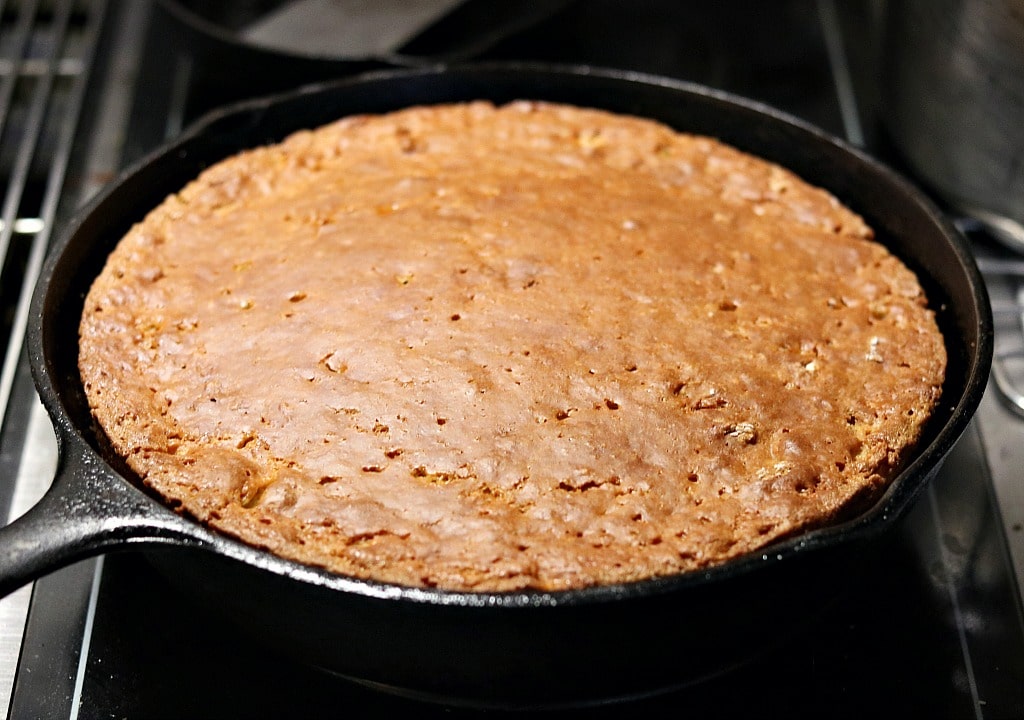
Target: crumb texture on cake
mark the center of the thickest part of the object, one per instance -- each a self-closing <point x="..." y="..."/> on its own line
<point x="491" y="348"/>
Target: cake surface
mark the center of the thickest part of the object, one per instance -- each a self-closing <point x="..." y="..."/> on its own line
<point x="493" y="348"/>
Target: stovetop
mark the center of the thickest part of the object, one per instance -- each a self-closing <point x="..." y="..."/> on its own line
<point x="87" y="86"/>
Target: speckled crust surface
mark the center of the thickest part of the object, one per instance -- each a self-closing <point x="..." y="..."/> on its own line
<point x="493" y="348"/>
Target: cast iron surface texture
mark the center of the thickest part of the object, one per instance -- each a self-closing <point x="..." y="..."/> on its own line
<point x="488" y="649"/>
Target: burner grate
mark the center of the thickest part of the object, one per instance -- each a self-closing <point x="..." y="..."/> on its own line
<point x="47" y="50"/>
<point x="1004" y="277"/>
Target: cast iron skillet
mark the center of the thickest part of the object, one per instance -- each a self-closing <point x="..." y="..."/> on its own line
<point x="490" y="649"/>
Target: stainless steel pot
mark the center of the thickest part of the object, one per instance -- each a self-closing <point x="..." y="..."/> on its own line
<point x="953" y="88"/>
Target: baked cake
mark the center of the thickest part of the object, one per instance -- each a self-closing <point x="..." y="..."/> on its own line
<point x="492" y="348"/>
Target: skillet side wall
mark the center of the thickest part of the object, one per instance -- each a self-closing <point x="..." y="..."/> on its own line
<point x="530" y="656"/>
<point x="532" y="651"/>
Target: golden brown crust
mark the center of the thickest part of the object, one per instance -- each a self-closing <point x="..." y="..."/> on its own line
<point x="493" y="348"/>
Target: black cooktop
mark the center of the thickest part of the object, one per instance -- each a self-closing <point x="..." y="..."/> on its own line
<point x="935" y="627"/>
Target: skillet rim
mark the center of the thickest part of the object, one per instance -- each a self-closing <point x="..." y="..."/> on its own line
<point x="897" y="498"/>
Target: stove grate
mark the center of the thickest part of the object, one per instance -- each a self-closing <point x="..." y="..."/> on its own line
<point x="47" y="49"/>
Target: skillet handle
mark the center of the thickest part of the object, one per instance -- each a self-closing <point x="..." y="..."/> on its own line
<point x="87" y="510"/>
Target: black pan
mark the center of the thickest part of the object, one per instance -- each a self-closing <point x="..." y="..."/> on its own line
<point x="516" y="648"/>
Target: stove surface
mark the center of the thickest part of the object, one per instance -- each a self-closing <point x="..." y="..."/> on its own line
<point x="934" y="630"/>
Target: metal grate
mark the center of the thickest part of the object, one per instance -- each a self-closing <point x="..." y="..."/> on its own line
<point x="47" y="49"/>
<point x="1004" y="277"/>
